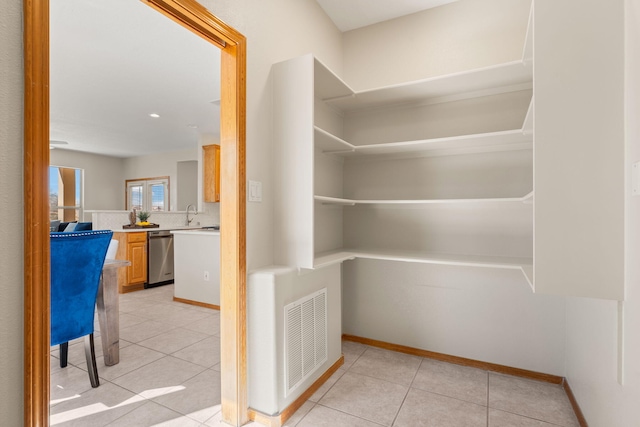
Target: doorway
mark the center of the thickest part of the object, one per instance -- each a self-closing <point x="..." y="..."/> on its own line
<point x="197" y="19"/>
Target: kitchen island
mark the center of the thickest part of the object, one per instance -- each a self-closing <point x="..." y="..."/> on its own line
<point x="197" y="267"/>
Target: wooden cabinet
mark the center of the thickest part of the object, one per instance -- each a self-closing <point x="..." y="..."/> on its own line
<point x="211" y="170"/>
<point x="132" y="246"/>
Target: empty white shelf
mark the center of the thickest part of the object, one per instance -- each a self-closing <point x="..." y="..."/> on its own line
<point x="514" y="139"/>
<point x="524" y="265"/>
<point x="333" y="257"/>
<point x="507" y="77"/>
<point x="327" y="84"/>
<point x="351" y="202"/>
<point x="330" y="143"/>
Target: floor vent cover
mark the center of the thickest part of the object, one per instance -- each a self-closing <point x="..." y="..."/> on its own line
<point x="305" y="337"/>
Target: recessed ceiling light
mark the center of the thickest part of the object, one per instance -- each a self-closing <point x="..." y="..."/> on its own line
<point x="154" y="115"/>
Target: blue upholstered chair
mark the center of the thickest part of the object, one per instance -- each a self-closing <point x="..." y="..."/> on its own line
<point x="76" y="265"/>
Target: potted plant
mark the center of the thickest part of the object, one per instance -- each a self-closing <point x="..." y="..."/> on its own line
<point x="143" y="216"/>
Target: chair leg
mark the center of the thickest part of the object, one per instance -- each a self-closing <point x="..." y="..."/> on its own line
<point x="92" y="367"/>
<point x="64" y="354"/>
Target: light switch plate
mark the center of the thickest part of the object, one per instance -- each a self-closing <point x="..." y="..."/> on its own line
<point x="255" y="191"/>
<point x="636" y="179"/>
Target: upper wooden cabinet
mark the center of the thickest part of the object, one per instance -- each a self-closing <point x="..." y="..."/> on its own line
<point x="211" y="168"/>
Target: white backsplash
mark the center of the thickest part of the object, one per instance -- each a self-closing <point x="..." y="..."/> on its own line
<point x="114" y="220"/>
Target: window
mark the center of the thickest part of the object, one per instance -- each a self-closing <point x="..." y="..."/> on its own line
<point x="148" y="194"/>
<point x="65" y="193"/>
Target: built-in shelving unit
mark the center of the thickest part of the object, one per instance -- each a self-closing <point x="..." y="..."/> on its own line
<point x="510" y="263"/>
<point x="319" y="149"/>
<point x="463" y="144"/>
<point x="349" y="202"/>
<point x="508" y="77"/>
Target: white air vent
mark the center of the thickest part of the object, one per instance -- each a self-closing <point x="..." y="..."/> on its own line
<point x="305" y="337"/>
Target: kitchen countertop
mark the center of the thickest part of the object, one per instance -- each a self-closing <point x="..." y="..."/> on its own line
<point x="161" y="228"/>
<point x="201" y="231"/>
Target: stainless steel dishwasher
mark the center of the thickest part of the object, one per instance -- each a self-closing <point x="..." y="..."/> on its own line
<point x="160" y="259"/>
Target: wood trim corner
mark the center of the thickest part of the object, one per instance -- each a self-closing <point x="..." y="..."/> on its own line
<point x="582" y="421"/>
<point x="280" y="419"/>
<point x="197" y="303"/>
<point x="493" y="367"/>
<point x="507" y="370"/>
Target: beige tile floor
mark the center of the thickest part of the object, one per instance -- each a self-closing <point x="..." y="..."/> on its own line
<point x="169" y="375"/>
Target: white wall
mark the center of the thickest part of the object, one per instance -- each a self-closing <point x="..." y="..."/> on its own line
<point x="103" y="177"/>
<point x="483" y="314"/>
<point x="11" y="246"/>
<point x="276" y="30"/>
<point x="160" y="164"/>
<point x="477" y="313"/>
<point x="592" y="325"/>
<point x="459" y="36"/>
<point x="187" y="185"/>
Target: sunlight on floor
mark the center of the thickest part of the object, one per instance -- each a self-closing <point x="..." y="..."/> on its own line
<point x="96" y="408"/>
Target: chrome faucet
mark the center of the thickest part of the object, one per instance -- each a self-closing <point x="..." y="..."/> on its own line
<point x="195" y="212"/>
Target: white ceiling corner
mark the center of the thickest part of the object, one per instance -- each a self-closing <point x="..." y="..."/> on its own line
<point x="351" y="14"/>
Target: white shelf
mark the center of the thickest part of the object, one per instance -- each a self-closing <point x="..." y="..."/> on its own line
<point x="326" y="259"/>
<point x="327" y="142"/>
<point x="514" y="139"/>
<point x="511" y="263"/>
<point x="351" y="202"/>
<point x="527" y="51"/>
<point x="327" y="84"/>
<point x="502" y="78"/>
<point x="527" y="126"/>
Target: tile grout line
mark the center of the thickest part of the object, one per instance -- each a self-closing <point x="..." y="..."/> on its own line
<point x="488" y="391"/>
<point x="304" y="416"/>
<point x="407" y="393"/>
<point x="352" y="415"/>
<point x="531" y="418"/>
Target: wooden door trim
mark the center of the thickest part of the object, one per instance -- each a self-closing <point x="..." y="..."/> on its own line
<point x="36" y="213"/>
<point x="196" y="18"/>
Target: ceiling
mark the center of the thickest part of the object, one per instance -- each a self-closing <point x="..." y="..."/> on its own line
<point x="115" y="62"/>
<point x="352" y="14"/>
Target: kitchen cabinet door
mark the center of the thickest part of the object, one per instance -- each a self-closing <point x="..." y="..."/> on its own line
<point x="211" y="168"/>
<point x="137" y="255"/>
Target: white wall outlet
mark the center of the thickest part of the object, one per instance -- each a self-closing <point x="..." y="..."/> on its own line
<point x="636" y="179"/>
<point x="206" y="276"/>
<point x="255" y="191"/>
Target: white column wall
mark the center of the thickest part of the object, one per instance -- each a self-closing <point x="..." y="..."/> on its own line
<point x="599" y="353"/>
<point x="276" y="30"/>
